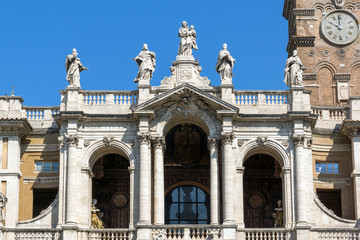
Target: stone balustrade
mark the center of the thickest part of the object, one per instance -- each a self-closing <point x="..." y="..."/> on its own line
<point x="174" y="232"/>
<point x="40" y="113"/>
<point x="266" y="233"/>
<point x="340" y="234"/>
<point x="31" y="234"/>
<point x="261" y="97"/>
<point x="109" y="97"/>
<point x="330" y="113"/>
<point x="106" y="234"/>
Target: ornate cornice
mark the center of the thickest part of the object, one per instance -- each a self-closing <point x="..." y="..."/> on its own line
<point x="304" y="12"/>
<point x="343" y="77"/>
<point x="302" y="41"/>
<point x="309" y="76"/>
<point x="227" y="138"/>
<point x="143" y="138"/>
<point x="72" y="140"/>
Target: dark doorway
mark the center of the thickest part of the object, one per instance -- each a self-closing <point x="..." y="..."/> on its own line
<point x="262" y="191"/>
<point x="111" y="188"/>
<point x="187" y="164"/>
<point x="42" y="198"/>
<point x="331" y="199"/>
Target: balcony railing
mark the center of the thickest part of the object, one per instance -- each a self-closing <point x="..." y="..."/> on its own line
<point x="40" y="113"/>
<point x="330" y="113"/>
<point x="266" y="233"/>
<point x="179" y="232"/>
<point x="106" y="234"/>
<point x="261" y="97"/>
<point x="109" y="97"/>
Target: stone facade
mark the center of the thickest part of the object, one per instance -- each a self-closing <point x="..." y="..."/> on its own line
<point x="263" y="164"/>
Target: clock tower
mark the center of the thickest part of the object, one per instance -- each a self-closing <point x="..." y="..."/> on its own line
<point x="325" y="34"/>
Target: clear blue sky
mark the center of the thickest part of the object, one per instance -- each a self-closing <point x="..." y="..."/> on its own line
<point x="37" y="35"/>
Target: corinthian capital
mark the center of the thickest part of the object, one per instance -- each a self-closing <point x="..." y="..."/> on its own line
<point x="298" y="140"/>
<point x="227" y="138"/>
<point x="144" y="138"/>
<point x="159" y="142"/>
<point x="213" y="142"/>
<point x="72" y="140"/>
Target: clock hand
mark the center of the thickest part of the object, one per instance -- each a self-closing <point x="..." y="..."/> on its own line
<point x="335" y="25"/>
<point x="339" y="19"/>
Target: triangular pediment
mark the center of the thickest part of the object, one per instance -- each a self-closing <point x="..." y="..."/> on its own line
<point x="185" y="94"/>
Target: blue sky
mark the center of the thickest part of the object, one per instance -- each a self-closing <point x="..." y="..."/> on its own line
<point x="37" y="35"/>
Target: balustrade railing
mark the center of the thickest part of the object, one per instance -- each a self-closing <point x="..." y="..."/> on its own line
<point x="109" y="97"/>
<point x="339" y="234"/>
<point x="178" y="232"/>
<point x="40" y="113"/>
<point x="106" y="234"/>
<point x="266" y="234"/>
<point x="261" y="97"/>
<point x="32" y="234"/>
<point x="330" y="113"/>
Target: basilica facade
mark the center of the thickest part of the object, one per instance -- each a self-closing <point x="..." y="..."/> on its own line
<point x="189" y="160"/>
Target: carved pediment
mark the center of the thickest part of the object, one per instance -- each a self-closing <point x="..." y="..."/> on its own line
<point x="183" y="100"/>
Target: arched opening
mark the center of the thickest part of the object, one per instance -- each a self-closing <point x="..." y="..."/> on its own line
<point x="111" y="189"/>
<point x="187" y="175"/>
<point x="263" y="192"/>
<point x="187" y="204"/>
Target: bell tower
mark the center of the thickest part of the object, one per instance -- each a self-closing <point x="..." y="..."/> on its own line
<point x="325" y="34"/>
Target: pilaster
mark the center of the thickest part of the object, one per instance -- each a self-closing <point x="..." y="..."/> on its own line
<point x="159" y="199"/>
<point x="214" y="180"/>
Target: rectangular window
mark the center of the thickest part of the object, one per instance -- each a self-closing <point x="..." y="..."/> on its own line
<point x="42" y="166"/>
<point x="327" y="167"/>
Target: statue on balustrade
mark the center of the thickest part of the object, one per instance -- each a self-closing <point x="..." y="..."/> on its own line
<point x="225" y="63"/>
<point x="146" y="62"/>
<point x="95" y="218"/>
<point x="187" y="39"/>
<point x="73" y="68"/>
<point x="293" y="71"/>
<point x="3" y="201"/>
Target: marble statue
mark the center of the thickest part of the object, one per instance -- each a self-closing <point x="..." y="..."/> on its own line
<point x="146" y="62"/>
<point x="293" y="71"/>
<point x="73" y="68"/>
<point x="187" y="39"/>
<point x="95" y="219"/>
<point x="3" y="201"/>
<point x="225" y="63"/>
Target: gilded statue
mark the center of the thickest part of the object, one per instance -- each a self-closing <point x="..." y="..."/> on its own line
<point x="95" y="218"/>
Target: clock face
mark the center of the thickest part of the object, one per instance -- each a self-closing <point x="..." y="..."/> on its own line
<point x="340" y="27"/>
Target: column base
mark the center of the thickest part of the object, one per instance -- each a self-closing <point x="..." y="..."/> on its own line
<point x="303" y="231"/>
<point x="229" y="232"/>
<point x="69" y="232"/>
<point x="143" y="232"/>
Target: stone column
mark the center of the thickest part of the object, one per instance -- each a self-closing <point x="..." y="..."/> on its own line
<point x="159" y="209"/>
<point x="355" y="142"/>
<point x="132" y="187"/>
<point x="144" y="186"/>
<point x="71" y="180"/>
<point x="287" y="198"/>
<point x="239" y="203"/>
<point x="300" y="180"/>
<point x="214" y="181"/>
<point x="228" y="180"/>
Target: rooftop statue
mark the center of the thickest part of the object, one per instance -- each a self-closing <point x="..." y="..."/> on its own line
<point x="146" y="62"/>
<point x="225" y="63"/>
<point x="187" y="39"/>
<point x="73" y="68"/>
<point x="293" y="71"/>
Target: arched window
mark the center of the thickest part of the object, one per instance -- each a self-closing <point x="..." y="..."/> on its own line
<point x="187" y="205"/>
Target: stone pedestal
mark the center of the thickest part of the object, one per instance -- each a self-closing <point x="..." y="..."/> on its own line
<point x="299" y="100"/>
<point x="143" y="232"/>
<point x="185" y="70"/>
<point x="71" y="99"/>
<point x="69" y="232"/>
<point x="229" y="232"/>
